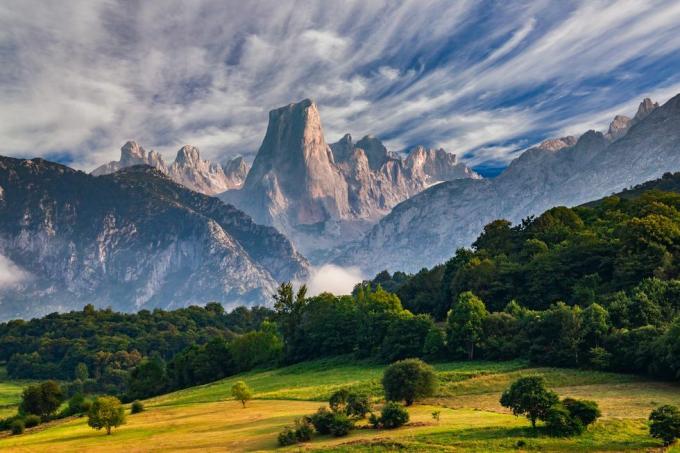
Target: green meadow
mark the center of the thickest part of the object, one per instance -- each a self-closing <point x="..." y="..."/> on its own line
<point x="206" y="418"/>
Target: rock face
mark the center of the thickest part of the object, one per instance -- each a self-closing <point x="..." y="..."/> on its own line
<point x="321" y="195"/>
<point x="188" y="168"/>
<point x="428" y="228"/>
<point x="130" y="240"/>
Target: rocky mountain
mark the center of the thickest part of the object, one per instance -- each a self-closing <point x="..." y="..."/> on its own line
<point x="188" y="168"/>
<point x="321" y="195"/>
<point x="132" y="239"/>
<point x="427" y="228"/>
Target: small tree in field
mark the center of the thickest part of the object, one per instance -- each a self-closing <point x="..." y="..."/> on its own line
<point x="106" y="412"/>
<point x="409" y="380"/>
<point x="528" y="396"/>
<point x="664" y="424"/>
<point x="241" y="392"/>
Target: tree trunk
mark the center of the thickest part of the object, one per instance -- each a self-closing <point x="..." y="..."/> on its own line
<point x="244" y="403"/>
<point x="471" y="351"/>
<point x="108" y="430"/>
<point x="533" y="422"/>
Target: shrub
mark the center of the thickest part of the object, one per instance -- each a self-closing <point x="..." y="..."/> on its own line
<point x="341" y="425"/>
<point x="409" y="380"/>
<point x="393" y="415"/>
<point x="31" y="420"/>
<point x="584" y="410"/>
<point x="17" y="427"/>
<point x="322" y="420"/>
<point x="665" y="424"/>
<point x="528" y="396"/>
<point x="6" y="423"/>
<point x="357" y="406"/>
<point x="136" y="407"/>
<point x="338" y="400"/>
<point x="303" y="429"/>
<point x="287" y="437"/>
<point x="75" y="405"/>
<point x="560" y="423"/>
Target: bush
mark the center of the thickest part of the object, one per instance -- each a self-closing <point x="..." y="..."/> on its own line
<point x="75" y="405"/>
<point x="338" y="400"/>
<point x="136" y="407"/>
<point x="303" y="429"/>
<point x="6" y="423"/>
<point x="341" y="425"/>
<point x="409" y="380"/>
<point x="287" y="437"/>
<point x="17" y="426"/>
<point x="322" y="420"/>
<point x="584" y="410"/>
<point x="665" y="424"/>
<point x="393" y="415"/>
<point x="358" y="406"/>
<point x="351" y="404"/>
<point x="560" y="423"/>
<point x="31" y="420"/>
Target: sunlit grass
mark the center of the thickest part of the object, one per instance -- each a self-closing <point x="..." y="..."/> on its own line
<point x="205" y="417"/>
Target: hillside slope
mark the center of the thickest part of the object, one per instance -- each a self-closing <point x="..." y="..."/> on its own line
<point x="130" y="240"/>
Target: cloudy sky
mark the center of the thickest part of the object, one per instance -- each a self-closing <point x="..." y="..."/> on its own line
<point x="482" y="79"/>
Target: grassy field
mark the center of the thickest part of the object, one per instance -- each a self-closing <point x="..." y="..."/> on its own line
<point x="10" y="394"/>
<point x="205" y="418"/>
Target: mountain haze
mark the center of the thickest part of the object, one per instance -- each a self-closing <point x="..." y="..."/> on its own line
<point x="428" y="228"/>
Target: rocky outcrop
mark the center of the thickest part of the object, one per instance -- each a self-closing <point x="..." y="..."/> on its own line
<point x="188" y="168"/>
<point x="130" y="240"/>
<point x="321" y="195"/>
<point x="428" y="228"/>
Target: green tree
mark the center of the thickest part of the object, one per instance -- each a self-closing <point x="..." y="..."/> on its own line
<point x="106" y="412"/>
<point x="241" y="392"/>
<point x="405" y="337"/>
<point x="664" y="423"/>
<point x="81" y="373"/>
<point x="41" y="399"/>
<point x="528" y="396"/>
<point x="559" y="422"/>
<point x="466" y="324"/>
<point x="289" y="308"/>
<point x="409" y="380"/>
<point x="594" y="325"/>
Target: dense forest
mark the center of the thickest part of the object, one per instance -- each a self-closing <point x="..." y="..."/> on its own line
<point x="594" y="286"/>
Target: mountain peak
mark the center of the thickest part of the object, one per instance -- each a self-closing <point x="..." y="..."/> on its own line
<point x="188" y="155"/>
<point x="646" y="107"/>
<point x="132" y="154"/>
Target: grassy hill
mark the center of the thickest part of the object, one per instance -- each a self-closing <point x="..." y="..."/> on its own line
<point x="205" y="418"/>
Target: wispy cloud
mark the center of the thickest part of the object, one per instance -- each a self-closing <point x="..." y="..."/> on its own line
<point x="79" y="78"/>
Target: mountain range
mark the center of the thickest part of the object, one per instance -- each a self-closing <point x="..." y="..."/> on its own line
<point x="130" y="240"/>
<point x="321" y="195"/>
<point x="188" y="168"/>
<point x="427" y="228"/>
<point x="138" y="233"/>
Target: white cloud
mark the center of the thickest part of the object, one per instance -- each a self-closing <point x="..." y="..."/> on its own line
<point x="10" y="273"/>
<point x="333" y="279"/>
<point x="82" y="77"/>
